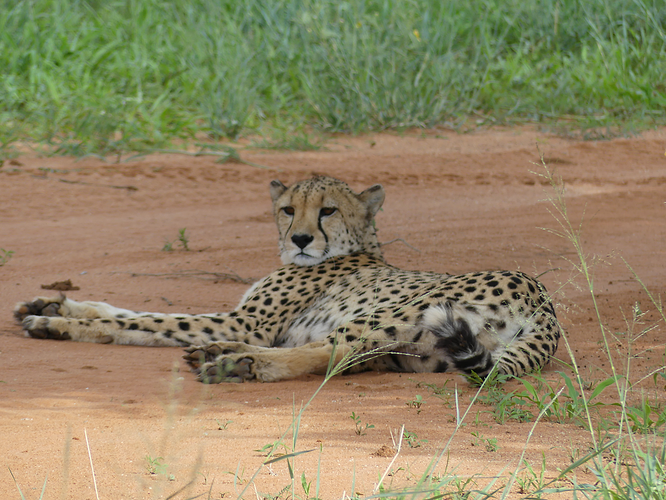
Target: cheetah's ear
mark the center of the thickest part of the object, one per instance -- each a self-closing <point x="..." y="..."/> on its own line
<point x="277" y="189"/>
<point x="372" y="198"/>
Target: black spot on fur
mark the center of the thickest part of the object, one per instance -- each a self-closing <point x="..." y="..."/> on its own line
<point x="479" y="363"/>
<point x="462" y="339"/>
<point x="390" y="331"/>
<point x="183" y="325"/>
<point x="397" y="361"/>
<point x="442" y="367"/>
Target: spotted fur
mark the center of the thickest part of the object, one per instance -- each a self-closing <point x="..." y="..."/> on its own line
<point x="333" y="298"/>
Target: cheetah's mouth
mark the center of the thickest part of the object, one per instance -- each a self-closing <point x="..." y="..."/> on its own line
<point x="304" y="259"/>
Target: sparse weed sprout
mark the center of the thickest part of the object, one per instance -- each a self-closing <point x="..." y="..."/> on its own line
<point x="556" y="405"/>
<point x="529" y="481"/>
<point x="5" y="255"/>
<point x="490" y="444"/>
<point x="360" y="427"/>
<point x="417" y="402"/>
<point x="155" y="465"/>
<point x="413" y="439"/>
<point x="647" y="418"/>
<point x="222" y="426"/>
<point x="182" y="239"/>
<point x="442" y="392"/>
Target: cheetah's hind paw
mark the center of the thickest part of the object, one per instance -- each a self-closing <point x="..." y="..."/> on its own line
<point x="226" y="369"/>
<point x="195" y="356"/>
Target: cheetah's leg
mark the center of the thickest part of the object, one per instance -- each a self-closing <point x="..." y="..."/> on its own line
<point x="271" y="364"/>
<point x="64" y="319"/>
<point x="62" y="306"/>
<point x="61" y="318"/>
<point x="130" y="331"/>
<point x="356" y="345"/>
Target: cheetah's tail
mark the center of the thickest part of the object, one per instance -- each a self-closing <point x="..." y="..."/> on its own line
<point x="457" y="340"/>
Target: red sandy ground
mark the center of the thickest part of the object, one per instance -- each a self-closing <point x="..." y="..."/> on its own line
<point x="463" y="203"/>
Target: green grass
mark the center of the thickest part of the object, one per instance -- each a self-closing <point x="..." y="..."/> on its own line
<point x="99" y="77"/>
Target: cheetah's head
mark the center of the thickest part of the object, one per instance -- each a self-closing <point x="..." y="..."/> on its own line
<point x="320" y="218"/>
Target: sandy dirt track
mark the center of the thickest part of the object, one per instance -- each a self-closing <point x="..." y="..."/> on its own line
<point x="462" y="202"/>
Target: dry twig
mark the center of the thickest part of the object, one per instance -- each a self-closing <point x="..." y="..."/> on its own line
<point x="196" y="273"/>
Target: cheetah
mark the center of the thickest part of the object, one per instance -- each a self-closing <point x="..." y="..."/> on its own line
<point x="335" y="298"/>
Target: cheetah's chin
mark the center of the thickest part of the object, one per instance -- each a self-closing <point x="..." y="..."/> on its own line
<point x="303" y="259"/>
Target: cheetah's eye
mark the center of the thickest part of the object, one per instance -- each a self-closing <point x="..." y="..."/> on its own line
<point x="326" y="211"/>
<point x="288" y="210"/>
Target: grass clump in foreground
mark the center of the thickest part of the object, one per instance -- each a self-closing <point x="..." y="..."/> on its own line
<point x="101" y="77"/>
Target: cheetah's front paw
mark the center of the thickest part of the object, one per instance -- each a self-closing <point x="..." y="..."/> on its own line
<point x="38" y="327"/>
<point x="40" y="306"/>
<point x="60" y="328"/>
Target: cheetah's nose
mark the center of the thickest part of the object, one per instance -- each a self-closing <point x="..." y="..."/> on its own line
<point x="302" y="240"/>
